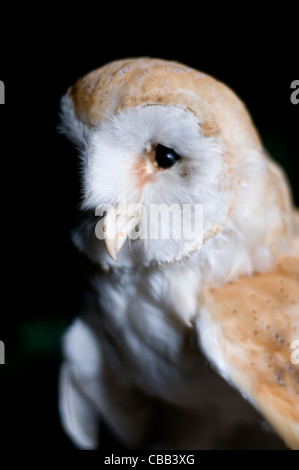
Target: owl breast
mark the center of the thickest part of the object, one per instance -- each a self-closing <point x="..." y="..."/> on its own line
<point x="151" y="330"/>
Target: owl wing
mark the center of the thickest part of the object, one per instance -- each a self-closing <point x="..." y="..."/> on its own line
<point x="249" y="330"/>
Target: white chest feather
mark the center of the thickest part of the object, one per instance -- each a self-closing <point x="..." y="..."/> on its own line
<point x="148" y="320"/>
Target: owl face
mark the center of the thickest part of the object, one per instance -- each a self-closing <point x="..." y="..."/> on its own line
<point x="159" y="164"/>
<point x="158" y="159"/>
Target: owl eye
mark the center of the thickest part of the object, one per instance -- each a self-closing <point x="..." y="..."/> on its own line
<point x="165" y="157"/>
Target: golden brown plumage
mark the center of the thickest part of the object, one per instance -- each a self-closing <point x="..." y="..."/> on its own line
<point x="257" y="319"/>
<point x="132" y="82"/>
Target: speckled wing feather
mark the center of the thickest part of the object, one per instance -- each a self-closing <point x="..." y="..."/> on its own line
<point x="247" y="329"/>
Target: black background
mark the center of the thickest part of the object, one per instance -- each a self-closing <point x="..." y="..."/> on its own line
<point x="40" y="187"/>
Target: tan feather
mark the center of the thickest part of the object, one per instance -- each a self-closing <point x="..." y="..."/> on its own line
<point x="256" y="319"/>
<point x="132" y="82"/>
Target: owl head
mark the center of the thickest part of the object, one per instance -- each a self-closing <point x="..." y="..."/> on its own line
<point x="163" y="145"/>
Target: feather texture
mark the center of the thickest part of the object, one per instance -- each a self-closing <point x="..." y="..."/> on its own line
<point x="247" y="329"/>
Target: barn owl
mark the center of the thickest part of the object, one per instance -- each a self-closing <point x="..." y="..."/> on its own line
<point x="179" y="344"/>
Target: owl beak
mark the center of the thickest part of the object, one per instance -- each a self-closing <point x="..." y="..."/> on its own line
<point x="118" y="225"/>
